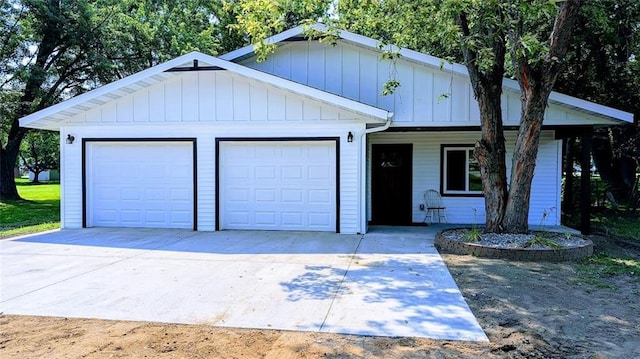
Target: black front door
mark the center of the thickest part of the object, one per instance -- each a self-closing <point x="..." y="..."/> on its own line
<point x="391" y="184"/>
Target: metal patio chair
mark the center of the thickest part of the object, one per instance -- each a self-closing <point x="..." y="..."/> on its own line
<point x="434" y="207"/>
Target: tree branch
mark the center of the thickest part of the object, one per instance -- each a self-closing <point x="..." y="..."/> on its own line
<point x="560" y="37"/>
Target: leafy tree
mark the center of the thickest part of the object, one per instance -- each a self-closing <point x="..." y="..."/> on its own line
<point x="259" y="19"/>
<point x="52" y="49"/>
<point x="40" y="151"/>
<point x="603" y="67"/>
<point x="529" y="39"/>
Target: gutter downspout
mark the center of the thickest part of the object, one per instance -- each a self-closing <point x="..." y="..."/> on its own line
<point x="363" y="169"/>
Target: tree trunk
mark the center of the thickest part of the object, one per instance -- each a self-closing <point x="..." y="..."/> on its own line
<point x="523" y="164"/>
<point x="490" y="152"/>
<point x="36" y="176"/>
<point x="28" y="103"/>
<point x="8" y="157"/>
<point x="536" y="81"/>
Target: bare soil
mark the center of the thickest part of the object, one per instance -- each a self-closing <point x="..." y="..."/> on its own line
<point x="528" y="310"/>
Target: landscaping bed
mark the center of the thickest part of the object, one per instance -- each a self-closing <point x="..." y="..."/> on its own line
<point x="535" y="246"/>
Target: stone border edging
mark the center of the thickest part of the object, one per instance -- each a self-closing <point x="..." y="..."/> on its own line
<point x="446" y="245"/>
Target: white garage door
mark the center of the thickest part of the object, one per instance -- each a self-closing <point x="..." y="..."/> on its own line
<point x="278" y="185"/>
<point x="139" y="184"/>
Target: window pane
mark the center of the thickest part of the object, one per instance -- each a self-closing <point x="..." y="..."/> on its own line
<point x="456" y="168"/>
<point x="475" y="181"/>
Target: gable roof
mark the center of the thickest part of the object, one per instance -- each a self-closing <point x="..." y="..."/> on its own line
<point x="617" y="116"/>
<point x="51" y="118"/>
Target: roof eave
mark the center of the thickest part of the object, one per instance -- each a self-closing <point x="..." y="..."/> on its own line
<point x="103" y="90"/>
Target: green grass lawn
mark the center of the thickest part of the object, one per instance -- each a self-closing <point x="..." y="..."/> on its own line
<point x="38" y="211"/>
<point x="620" y="225"/>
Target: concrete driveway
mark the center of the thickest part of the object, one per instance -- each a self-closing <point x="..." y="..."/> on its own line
<point x="389" y="282"/>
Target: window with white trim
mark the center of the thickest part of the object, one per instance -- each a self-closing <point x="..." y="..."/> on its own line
<point x="460" y="171"/>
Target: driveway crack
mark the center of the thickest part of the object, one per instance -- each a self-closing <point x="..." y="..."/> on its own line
<point x="339" y="287"/>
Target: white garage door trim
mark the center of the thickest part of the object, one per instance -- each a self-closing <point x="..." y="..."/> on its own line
<point x="87" y="144"/>
<point x="333" y="142"/>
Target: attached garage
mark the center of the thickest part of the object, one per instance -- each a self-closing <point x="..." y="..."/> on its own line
<point x="146" y="183"/>
<point x="206" y="144"/>
<point x="278" y="184"/>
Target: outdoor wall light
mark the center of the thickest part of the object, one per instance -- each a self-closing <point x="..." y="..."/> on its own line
<point x="70" y="139"/>
<point x="350" y="137"/>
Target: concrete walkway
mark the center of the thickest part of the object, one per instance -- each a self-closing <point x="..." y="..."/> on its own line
<point x="390" y="282"/>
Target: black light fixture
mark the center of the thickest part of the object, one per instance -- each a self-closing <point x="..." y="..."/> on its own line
<point x="70" y="139"/>
<point x="350" y="137"/>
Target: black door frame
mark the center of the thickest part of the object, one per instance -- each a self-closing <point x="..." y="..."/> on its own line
<point x="409" y="192"/>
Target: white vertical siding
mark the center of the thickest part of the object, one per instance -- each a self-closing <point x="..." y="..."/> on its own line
<point x="427" y="96"/>
<point x="189" y="100"/>
<point x="223" y="97"/>
<point x="206" y="94"/>
<point x="211" y="96"/>
<point x="350" y="73"/>
<point x="141" y="111"/>
<point x="173" y="99"/>
<point x="545" y="195"/>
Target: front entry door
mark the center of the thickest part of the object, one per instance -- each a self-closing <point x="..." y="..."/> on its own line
<point x="391" y="184"/>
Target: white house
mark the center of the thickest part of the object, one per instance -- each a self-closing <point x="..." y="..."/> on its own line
<point x="302" y="141"/>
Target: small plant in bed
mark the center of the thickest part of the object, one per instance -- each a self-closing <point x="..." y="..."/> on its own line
<point x="541" y="239"/>
<point x="475" y="233"/>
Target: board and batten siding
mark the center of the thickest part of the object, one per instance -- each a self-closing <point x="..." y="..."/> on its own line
<point x="206" y="105"/>
<point x="545" y="192"/>
<point x="427" y="96"/>
<point x="210" y="96"/>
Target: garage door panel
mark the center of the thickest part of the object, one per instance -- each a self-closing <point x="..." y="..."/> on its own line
<point x="320" y="197"/>
<point x="319" y="219"/>
<point x="264" y="173"/>
<point x="319" y="173"/>
<point x="278" y="185"/>
<point x="140" y="184"/>
<point x="292" y="196"/>
<point x="290" y="173"/>
<point x="292" y="218"/>
<point x="154" y="194"/>
<point x="265" y="195"/>
<point x="266" y="218"/>
<point x="238" y="218"/>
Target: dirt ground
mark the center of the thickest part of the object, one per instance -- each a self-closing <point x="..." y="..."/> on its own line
<point x="528" y="310"/>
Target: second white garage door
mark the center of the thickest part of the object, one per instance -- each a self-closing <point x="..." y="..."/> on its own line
<point x="284" y="185"/>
